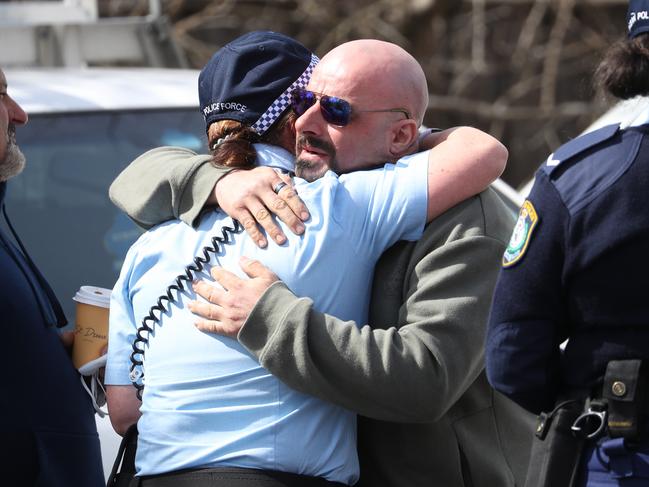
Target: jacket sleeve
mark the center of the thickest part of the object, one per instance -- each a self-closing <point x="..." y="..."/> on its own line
<point x="526" y="326"/>
<point x="165" y="183"/>
<point x="412" y="371"/>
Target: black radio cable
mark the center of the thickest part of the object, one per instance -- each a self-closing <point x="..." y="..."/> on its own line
<point x="157" y="310"/>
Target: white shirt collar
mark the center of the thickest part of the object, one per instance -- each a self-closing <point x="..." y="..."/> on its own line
<point x="642" y="118"/>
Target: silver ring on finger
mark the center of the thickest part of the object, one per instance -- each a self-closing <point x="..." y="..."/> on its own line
<point x="278" y="187"/>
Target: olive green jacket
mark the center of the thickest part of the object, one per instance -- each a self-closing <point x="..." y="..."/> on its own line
<point x="415" y="375"/>
<point x="165" y="183"/>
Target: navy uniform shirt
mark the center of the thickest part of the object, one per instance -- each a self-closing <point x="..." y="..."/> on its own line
<point x="576" y="267"/>
<point x="47" y="426"/>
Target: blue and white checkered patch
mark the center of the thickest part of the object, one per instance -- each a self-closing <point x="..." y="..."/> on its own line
<point x="269" y="117"/>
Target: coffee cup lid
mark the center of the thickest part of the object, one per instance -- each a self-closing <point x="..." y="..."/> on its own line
<point x="96" y="296"/>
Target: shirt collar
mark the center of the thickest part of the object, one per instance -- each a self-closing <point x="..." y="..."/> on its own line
<point x="642" y="118"/>
<point x="275" y="157"/>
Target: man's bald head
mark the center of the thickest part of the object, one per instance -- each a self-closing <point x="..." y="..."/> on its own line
<point x="384" y="69"/>
<point x="381" y="81"/>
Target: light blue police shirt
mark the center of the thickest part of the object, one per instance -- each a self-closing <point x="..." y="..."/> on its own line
<point x="207" y="402"/>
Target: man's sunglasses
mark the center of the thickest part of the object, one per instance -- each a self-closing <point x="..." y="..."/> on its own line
<point x="335" y="111"/>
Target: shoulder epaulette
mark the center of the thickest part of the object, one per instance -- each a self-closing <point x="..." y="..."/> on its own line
<point x="579" y="145"/>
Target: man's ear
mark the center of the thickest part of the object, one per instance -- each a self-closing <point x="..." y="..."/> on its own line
<point x="403" y="138"/>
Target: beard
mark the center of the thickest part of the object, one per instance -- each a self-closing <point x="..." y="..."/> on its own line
<point x="310" y="170"/>
<point x="13" y="161"/>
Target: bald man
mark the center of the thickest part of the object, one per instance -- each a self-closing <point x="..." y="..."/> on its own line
<point x="382" y="75"/>
<point x="415" y="373"/>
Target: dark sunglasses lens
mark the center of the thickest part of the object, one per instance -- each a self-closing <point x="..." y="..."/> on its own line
<point x="335" y="110"/>
<point x="301" y="101"/>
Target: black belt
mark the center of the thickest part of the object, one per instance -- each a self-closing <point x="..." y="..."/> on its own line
<point x="231" y="477"/>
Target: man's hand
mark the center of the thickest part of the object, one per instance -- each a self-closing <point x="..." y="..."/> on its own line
<point x="248" y="196"/>
<point x="228" y="309"/>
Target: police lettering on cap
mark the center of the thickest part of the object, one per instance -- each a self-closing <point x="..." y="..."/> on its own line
<point x="638" y="17"/>
<point x="251" y="79"/>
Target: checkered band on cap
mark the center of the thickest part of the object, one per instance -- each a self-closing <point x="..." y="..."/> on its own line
<point x="270" y="116"/>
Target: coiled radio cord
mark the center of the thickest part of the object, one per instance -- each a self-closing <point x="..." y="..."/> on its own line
<point x="155" y="313"/>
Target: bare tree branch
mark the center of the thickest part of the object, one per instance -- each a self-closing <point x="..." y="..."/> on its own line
<point x="553" y="55"/>
<point x="518" y="68"/>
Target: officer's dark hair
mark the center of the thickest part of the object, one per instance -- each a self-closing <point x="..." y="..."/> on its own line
<point x="231" y="142"/>
<point x="624" y="71"/>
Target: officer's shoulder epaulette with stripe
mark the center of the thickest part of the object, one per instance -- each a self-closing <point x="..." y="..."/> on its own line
<point x="578" y="145"/>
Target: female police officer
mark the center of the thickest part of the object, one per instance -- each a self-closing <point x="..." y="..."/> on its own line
<point x="576" y="268"/>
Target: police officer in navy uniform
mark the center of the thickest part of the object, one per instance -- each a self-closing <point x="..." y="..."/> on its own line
<point x="577" y="268"/>
<point x="48" y="435"/>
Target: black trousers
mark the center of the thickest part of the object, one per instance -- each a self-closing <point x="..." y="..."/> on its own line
<point x="231" y="477"/>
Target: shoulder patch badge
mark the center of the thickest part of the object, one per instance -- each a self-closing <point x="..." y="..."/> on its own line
<point x="527" y="220"/>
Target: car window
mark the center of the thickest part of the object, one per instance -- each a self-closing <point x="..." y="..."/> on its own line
<point x="59" y="205"/>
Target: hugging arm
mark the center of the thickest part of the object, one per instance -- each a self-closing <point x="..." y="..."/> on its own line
<point x="462" y="162"/>
<point x="409" y="367"/>
<point x="430" y="353"/>
<point x="164" y="184"/>
<point x="175" y="183"/>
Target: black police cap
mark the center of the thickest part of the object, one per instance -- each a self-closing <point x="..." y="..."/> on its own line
<point x="251" y="79"/>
